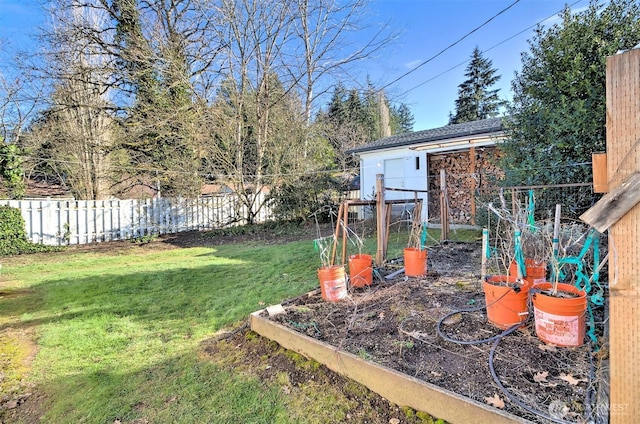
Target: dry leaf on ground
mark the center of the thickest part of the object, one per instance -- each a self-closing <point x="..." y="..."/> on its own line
<point x="540" y="377"/>
<point x="569" y="378"/>
<point x="495" y="401"/>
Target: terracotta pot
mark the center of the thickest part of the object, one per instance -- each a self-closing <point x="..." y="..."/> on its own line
<point x="360" y="270"/>
<point x="415" y="262"/>
<point x="506" y="300"/>
<point x="333" y="282"/>
<point x="560" y="320"/>
<point x="536" y="271"/>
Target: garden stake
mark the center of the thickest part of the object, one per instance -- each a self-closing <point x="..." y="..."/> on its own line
<point x="335" y="239"/>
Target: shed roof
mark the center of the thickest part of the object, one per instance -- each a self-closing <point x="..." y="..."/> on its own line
<point x="455" y="131"/>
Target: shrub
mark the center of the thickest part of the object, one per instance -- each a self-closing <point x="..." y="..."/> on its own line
<point x="13" y="237"/>
<point x="309" y="194"/>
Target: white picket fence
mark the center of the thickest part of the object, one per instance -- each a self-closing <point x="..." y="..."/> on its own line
<point x="66" y="222"/>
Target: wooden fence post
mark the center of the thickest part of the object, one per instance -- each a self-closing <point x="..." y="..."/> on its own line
<point x="444" y="207"/>
<point x="381" y="215"/>
<point x="472" y="157"/>
<point x="623" y="160"/>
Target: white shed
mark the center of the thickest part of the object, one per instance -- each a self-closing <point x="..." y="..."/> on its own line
<point x="407" y="160"/>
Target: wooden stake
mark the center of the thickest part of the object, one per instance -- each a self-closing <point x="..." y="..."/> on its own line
<point x="556" y="231"/>
<point x="335" y="237"/>
<point x="345" y="222"/>
<point x="485" y="243"/>
<point x="444" y="210"/>
<point x="380" y="219"/>
<point x="472" y="157"/>
<point x="386" y="232"/>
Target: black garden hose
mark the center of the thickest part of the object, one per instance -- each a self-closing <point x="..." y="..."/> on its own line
<point x="496" y="340"/>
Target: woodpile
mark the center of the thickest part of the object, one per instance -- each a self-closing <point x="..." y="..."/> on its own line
<point x="466" y="171"/>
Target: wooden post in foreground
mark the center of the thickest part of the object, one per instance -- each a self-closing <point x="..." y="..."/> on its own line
<point x="623" y="160"/>
<point x="381" y="215"/>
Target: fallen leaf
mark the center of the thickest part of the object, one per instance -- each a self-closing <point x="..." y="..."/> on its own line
<point x="394" y="421"/>
<point x="569" y="378"/>
<point x="548" y="348"/>
<point x="12" y="404"/>
<point x="495" y="401"/>
<point x="540" y="377"/>
<point x="381" y="315"/>
<point x="286" y="390"/>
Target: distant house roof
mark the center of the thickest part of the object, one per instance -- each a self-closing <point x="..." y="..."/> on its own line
<point x="455" y="131"/>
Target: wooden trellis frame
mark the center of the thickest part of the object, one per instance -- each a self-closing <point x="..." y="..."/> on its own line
<point x="623" y="160"/>
<point x="383" y="218"/>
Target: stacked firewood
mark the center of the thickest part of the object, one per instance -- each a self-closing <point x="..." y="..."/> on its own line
<point x="461" y="183"/>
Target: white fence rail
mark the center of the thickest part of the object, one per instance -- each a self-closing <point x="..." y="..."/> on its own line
<point x="63" y="222"/>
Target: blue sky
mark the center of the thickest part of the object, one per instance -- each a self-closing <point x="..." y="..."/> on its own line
<point x="429" y="26"/>
<point x="425" y="26"/>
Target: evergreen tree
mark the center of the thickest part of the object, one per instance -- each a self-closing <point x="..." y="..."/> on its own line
<point x="11" y="172"/>
<point x="475" y="98"/>
<point x="558" y="116"/>
<point x="402" y="119"/>
<point x="371" y="118"/>
<point x="336" y="110"/>
<point x="354" y="107"/>
<point x="353" y="119"/>
<point x="161" y="129"/>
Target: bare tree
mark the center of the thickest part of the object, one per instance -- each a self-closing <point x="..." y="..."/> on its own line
<point x="324" y="29"/>
<point x="196" y="87"/>
<point x="76" y="131"/>
<point x="245" y="138"/>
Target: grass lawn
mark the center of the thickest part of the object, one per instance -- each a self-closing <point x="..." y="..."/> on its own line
<point x="118" y="331"/>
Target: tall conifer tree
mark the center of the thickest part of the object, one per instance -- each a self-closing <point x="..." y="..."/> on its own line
<point x="476" y="100"/>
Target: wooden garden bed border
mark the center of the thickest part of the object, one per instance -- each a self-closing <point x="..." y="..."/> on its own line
<point x="398" y="388"/>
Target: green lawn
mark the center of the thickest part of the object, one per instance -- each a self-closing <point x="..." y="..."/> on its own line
<point x="118" y="333"/>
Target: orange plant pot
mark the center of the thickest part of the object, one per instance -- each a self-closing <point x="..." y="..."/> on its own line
<point x="560" y="320"/>
<point x="333" y="282"/>
<point x="360" y="270"/>
<point x="536" y="271"/>
<point x="506" y="307"/>
<point x="415" y="262"/>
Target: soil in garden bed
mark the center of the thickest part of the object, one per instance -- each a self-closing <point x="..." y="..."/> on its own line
<point x="394" y="323"/>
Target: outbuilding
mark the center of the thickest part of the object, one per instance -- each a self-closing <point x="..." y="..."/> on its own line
<point x="413" y="161"/>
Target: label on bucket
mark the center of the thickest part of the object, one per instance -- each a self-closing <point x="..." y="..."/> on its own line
<point x="558" y="329"/>
<point x="335" y="290"/>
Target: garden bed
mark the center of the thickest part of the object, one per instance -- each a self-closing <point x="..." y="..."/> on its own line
<point x="393" y="324"/>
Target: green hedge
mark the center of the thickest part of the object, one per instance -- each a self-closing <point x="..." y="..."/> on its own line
<point x="13" y="237"/>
